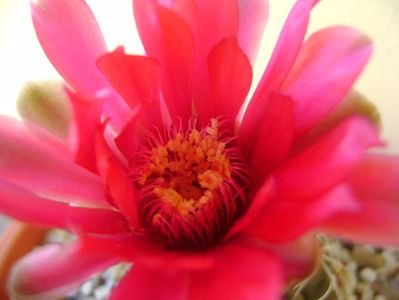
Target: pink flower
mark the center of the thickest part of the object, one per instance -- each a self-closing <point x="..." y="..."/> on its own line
<point x="158" y="169"/>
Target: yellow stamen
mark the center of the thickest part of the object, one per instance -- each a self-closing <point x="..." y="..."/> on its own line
<point x="187" y="170"/>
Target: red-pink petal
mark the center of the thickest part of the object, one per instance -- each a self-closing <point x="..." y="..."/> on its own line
<point x="121" y="190"/>
<point x="326" y="68"/>
<point x="31" y="163"/>
<point x="272" y="140"/>
<point x="258" y="204"/>
<point x="376" y="177"/>
<point x="131" y="136"/>
<point x="253" y="18"/>
<point x="51" y="271"/>
<point x="136" y="78"/>
<point x="30" y="208"/>
<point x="161" y="30"/>
<point x="71" y="38"/>
<point x="86" y="115"/>
<point x="299" y="257"/>
<point x="243" y="271"/>
<point x="230" y="75"/>
<point x="31" y="133"/>
<point x="219" y="17"/>
<point x="353" y="104"/>
<point x="372" y="223"/>
<point x="144" y="283"/>
<point x="103" y="151"/>
<point x="283" y="220"/>
<point x="374" y="182"/>
<point x="281" y="62"/>
<point x="140" y="249"/>
<point x="326" y="162"/>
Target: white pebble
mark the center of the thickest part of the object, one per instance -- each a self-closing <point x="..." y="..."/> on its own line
<point x="87" y="288"/>
<point x="364" y="255"/>
<point x="390" y="261"/>
<point x="102" y="292"/>
<point x="367" y="293"/>
<point x="58" y="236"/>
<point x="368" y="275"/>
<point x="350" y="280"/>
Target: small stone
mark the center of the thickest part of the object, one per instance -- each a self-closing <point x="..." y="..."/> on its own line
<point x="114" y="274"/>
<point x="333" y="250"/>
<point x="389" y="291"/>
<point x="87" y="288"/>
<point x="366" y="292"/>
<point x="350" y="279"/>
<point x="368" y="275"/>
<point x="364" y="255"/>
<point x="352" y="266"/>
<point x="390" y="261"/>
<point x="57" y="236"/>
<point x="102" y="292"/>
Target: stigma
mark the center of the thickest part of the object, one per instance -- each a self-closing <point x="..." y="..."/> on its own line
<point x="191" y="184"/>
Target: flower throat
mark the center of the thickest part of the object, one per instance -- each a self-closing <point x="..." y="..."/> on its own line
<point x="192" y="185"/>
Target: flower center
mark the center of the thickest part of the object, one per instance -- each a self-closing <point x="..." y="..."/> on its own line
<point x="192" y="185"/>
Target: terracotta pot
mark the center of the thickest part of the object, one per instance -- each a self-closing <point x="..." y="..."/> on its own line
<point x="17" y="240"/>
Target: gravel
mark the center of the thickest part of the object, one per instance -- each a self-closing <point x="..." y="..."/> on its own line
<point x="351" y="272"/>
<point x="99" y="287"/>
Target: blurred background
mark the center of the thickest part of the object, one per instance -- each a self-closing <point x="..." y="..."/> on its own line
<point x="21" y="58"/>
